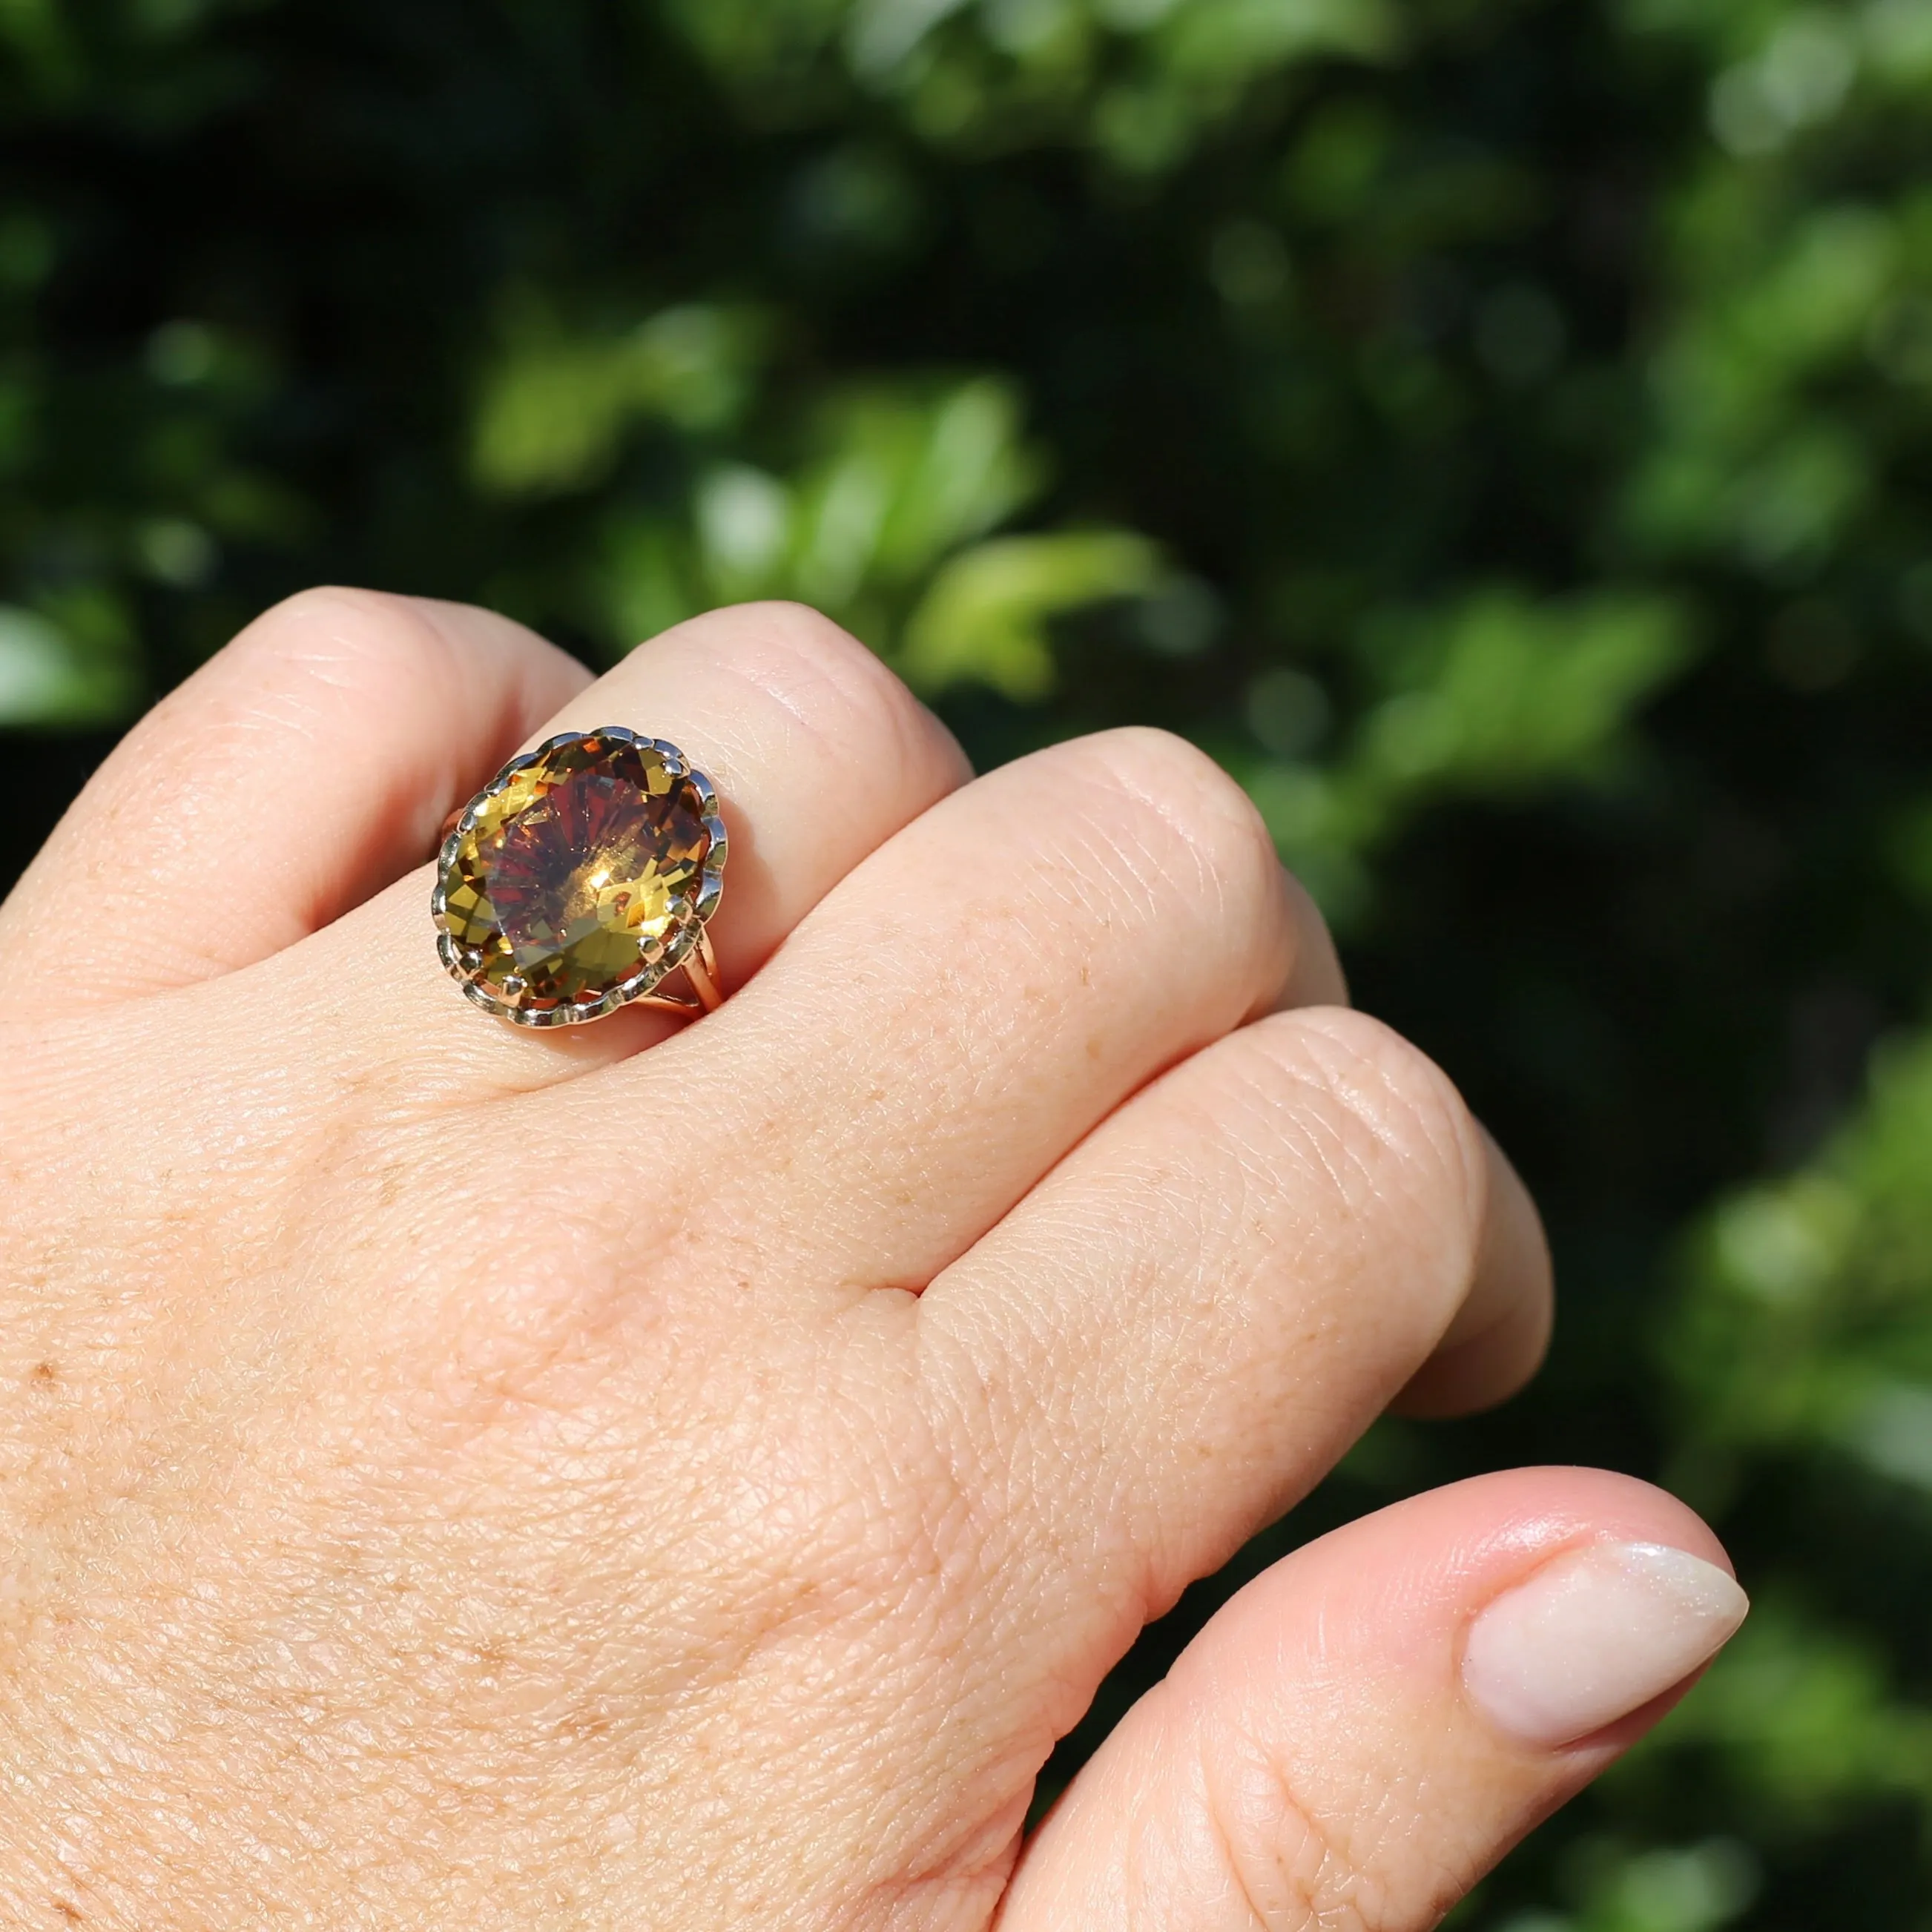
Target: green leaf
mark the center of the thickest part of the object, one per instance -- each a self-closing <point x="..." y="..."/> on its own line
<point x="556" y="407"/>
<point x="987" y="615"/>
<point x="1504" y="691"/>
<point x="49" y="676"/>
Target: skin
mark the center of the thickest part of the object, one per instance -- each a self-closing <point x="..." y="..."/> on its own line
<point x="651" y="1476"/>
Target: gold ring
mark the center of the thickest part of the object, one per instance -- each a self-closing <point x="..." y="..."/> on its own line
<point x="580" y="878"/>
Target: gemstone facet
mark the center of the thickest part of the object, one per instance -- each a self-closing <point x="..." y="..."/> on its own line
<point x="579" y="878"/>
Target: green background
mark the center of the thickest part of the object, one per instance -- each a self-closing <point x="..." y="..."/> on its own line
<point x="1500" y="431"/>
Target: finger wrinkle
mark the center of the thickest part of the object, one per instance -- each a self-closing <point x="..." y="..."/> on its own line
<point x="1221" y="828"/>
<point x="1110" y="833"/>
<point x="1291" y="1871"/>
<point x="1399" y="1097"/>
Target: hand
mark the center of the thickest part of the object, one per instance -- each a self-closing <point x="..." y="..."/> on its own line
<point x="630" y="1477"/>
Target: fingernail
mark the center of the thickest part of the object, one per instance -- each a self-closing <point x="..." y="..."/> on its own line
<point x="1595" y="1634"/>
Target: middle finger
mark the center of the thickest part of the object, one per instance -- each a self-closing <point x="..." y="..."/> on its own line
<point x="971" y="1001"/>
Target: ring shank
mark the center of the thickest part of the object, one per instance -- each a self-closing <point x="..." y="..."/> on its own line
<point x="700" y="967"/>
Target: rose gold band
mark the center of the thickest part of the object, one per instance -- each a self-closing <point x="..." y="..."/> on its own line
<point x="700" y="967"/>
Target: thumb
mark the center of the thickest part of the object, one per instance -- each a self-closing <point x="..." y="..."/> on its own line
<point x="1364" y="1731"/>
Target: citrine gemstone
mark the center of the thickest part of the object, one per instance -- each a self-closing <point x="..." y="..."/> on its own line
<point x="579" y="877"/>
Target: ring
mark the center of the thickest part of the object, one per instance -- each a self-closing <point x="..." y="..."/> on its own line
<point x="580" y="878"/>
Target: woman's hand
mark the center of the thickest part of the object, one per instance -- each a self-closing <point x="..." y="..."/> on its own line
<point x="460" y="1477"/>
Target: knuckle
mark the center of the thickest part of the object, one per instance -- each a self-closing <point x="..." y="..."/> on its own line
<point x="836" y="684"/>
<point x="1179" y="777"/>
<point x="801" y="631"/>
<point x="332" y="649"/>
<point x="303" y="664"/>
<point x="334" y="655"/>
<point x="1397" y="1123"/>
<point x="338" y="618"/>
<point x="779" y="638"/>
<point x="1174" y="789"/>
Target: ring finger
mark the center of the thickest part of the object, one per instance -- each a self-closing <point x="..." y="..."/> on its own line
<point x="818" y="752"/>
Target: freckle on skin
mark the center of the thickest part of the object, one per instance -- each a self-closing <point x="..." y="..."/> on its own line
<point x="45" y="1375"/>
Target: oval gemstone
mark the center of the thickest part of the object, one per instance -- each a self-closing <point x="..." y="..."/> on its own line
<point x="574" y="875"/>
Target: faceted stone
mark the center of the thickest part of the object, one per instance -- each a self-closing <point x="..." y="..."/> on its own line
<point x="575" y="876"/>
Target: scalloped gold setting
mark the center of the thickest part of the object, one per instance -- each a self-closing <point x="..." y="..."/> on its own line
<point x="579" y="877"/>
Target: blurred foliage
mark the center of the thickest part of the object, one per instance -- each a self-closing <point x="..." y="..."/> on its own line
<point x="1500" y="430"/>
